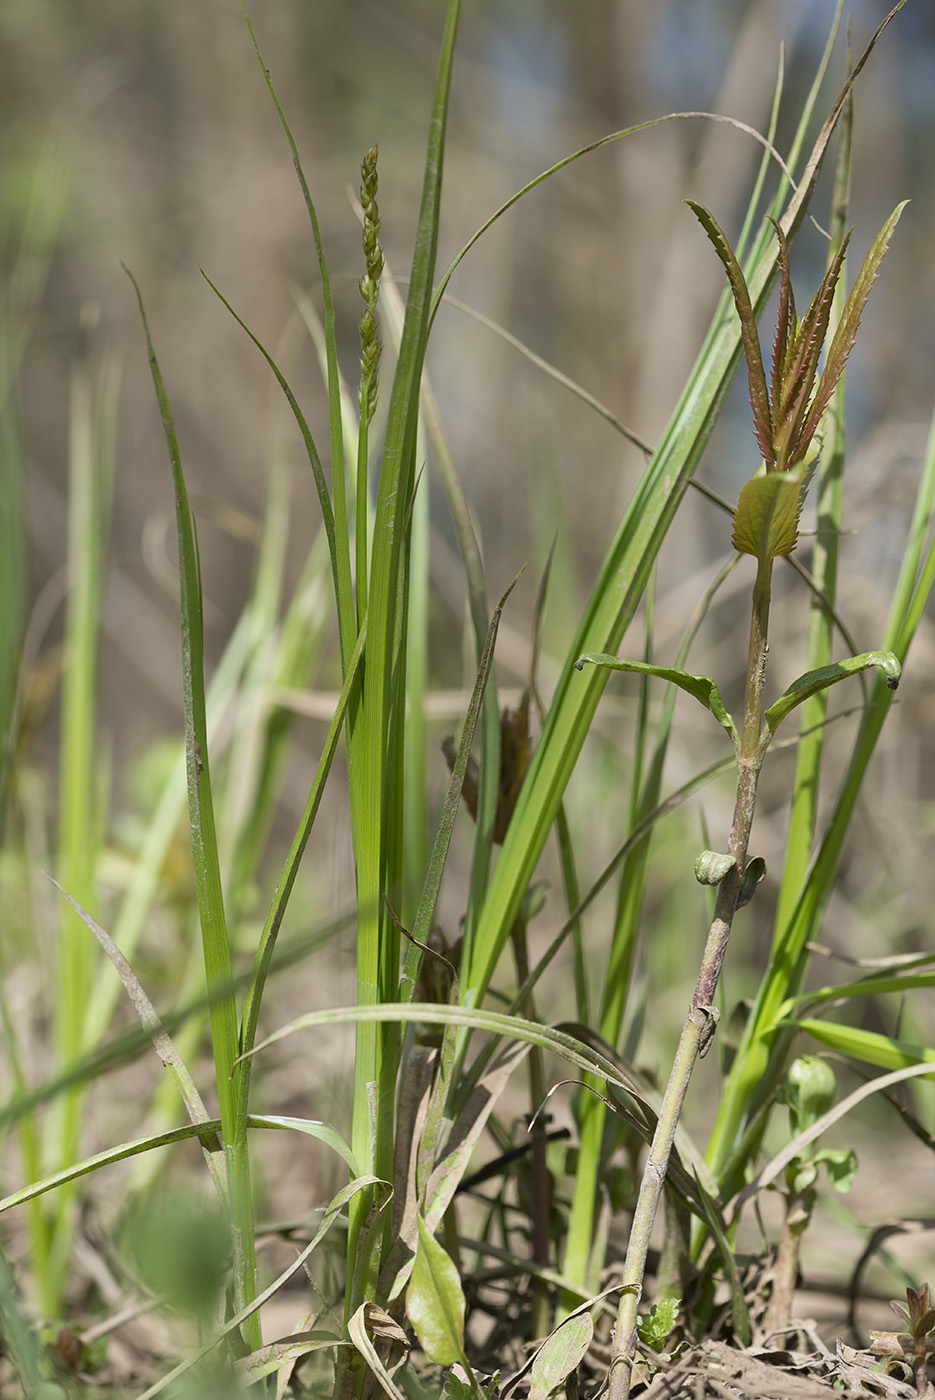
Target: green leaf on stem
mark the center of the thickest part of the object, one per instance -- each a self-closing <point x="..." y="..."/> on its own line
<point x="753" y="875"/>
<point x="712" y="866"/>
<point x="703" y="688"/>
<point x="814" y="681"/>
<point x="766" y="521"/>
<point x="435" y="1302"/>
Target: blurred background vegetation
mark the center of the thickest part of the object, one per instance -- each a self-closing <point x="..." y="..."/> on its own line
<point x="142" y="133"/>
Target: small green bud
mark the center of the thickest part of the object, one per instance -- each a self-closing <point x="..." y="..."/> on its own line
<point x="710" y="867"/>
<point x="809" y="1090"/>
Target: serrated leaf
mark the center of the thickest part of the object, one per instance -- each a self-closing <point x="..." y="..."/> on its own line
<point x="654" y="1329"/>
<point x="791" y="410"/>
<point x="703" y="688"/>
<point x="766" y="521"/>
<point x="843" y="341"/>
<point x="814" y="681"/>
<point x="560" y="1355"/>
<point x="457" y="1388"/>
<point x="759" y="394"/>
<point x="435" y="1301"/>
<point x="786" y="322"/>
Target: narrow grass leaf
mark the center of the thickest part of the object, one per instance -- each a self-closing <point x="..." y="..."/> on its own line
<point x="375" y="750"/>
<point x="433" y="877"/>
<point x="873" y="986"/>
<point x="311" y="1127"/>
<point x="341" y="539"/>
<point x="162" y="1044"/>
<point x="477" y="604"/>
<point x="206" y="1131"/>
<point x="280" y="900"/>
<point x="466" y="1130"/>
<point x="341" y="585"/>
<point x="548" y="1037"/>
<point x="883" y="1050"/>
<point x="215" y="941"/>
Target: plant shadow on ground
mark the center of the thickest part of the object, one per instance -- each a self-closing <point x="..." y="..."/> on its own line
<point x="503" y="1189"/>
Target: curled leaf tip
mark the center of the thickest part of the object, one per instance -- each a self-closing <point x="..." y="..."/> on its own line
<point x="711" y="867"/>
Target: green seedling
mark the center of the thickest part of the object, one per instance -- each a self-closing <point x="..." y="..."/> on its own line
<point x="915" y="1343"/>
<point x="809" y="1092"/>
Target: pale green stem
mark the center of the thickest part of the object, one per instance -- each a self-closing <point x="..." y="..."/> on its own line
<point x="700" y="1022"/>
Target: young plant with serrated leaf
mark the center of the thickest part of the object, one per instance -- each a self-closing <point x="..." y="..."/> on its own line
<point x="788" y="407"/>
<point x="914" y="1345"/>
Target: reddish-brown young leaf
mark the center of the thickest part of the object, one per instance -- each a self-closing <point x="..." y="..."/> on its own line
<point x="843" y="342"/>
<point x="790" y="414"/>
<point x="759" y="394"/>
<point x="786" y="322"/>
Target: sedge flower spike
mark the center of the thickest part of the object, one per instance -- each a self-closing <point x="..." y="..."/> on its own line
<point x="789" y="404"/>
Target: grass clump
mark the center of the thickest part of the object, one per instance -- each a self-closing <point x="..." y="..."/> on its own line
<point x="444" y="1240"/>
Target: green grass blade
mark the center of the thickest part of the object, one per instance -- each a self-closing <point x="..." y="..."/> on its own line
<point x="627" y="567"/>
<point x="580" y="1261"/>
<point x="205" y="1129"/>
<point x="568" y="1047"/>
<point x="342" y="550"/>
<point x="433" y="878"/>
<point x="92" y="414"/>
<point x="138" y="900"/>
<point x="215" y="941"/>
<point x="883" y="1050"/>
<point x="341" y="586"/>
<point x="477" y="606"/>
<point x="376" y="787"/>
<point x="274" y="918"/>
